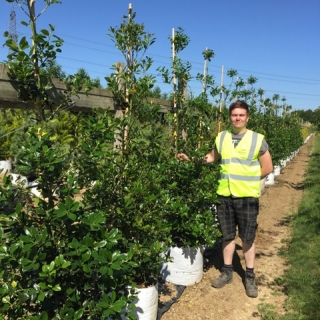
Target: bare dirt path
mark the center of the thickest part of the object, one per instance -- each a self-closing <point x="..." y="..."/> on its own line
<point x="277" y="203"/>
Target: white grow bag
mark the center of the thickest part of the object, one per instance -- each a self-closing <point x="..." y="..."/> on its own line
<point x="283" y="163"/>
<point x="270" y="179"/>
<point x="5" y="165"/>
<point x="146" y="305"/>
<point x="186" y="267"/>
<point x="277" y="170"/>
<point x="19" y="180"/>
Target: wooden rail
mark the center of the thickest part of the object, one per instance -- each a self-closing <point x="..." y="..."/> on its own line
<point x="95" y="98"/>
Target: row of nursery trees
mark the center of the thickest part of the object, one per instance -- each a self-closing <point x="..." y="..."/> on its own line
<point x="113" y="194"/>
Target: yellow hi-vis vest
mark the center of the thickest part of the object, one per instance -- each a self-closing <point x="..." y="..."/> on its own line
<point x="240" y="168"/>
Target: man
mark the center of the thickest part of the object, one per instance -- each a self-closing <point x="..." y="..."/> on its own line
<point x="244" y="160"/>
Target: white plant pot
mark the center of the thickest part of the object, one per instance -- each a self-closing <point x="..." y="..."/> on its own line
<point x="147" y="303"/>
<point x="186" y="267"/>
<point x="19" y="180"/>
<point x="5" y="165"/>
<point x="34" y="188"/>
<point x="270" y="179"/>
<point x="277" y="170"/>
<point x="283" y="163"/>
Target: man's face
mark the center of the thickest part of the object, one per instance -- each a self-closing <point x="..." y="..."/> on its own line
<point x="239" y="118"/>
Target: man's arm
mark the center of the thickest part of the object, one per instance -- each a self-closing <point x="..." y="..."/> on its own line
<point x="213" y="156"/>
<point x="266" y="164"/>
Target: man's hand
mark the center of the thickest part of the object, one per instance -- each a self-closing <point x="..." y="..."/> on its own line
<point x="182" y="157"/>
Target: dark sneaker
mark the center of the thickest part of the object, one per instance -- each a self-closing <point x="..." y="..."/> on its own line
<point x="224" y="278"/>
<point x="250" y="284"/>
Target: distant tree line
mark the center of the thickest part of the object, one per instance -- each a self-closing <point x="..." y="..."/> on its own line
<point x="312" y="116"/>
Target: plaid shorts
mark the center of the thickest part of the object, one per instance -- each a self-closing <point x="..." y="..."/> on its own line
<point x="238" y="212"/>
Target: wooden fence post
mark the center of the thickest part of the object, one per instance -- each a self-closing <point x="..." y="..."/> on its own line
<point x="118" y="143"/>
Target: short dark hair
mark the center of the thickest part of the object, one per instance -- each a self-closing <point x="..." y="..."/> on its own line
<point x="238" y="104"/>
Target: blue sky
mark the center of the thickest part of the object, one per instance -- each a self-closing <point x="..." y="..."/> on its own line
<point x="276" y="41"/>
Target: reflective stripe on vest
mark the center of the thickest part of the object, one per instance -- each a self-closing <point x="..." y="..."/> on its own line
<point x="240" y="167"/>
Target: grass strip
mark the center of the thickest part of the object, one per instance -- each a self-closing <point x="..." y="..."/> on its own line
<point x="302" y="279"/>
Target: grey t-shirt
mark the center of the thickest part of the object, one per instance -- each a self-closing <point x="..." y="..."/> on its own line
<point x="237" y="137"/>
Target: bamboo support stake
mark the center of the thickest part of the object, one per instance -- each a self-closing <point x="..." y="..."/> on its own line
<point x="262" y="106"/>
<point x="237" y="88"/>
<point x="175" y="116"/>
<point x="221" y="92"/>
<point x="129" y="64"/>
<point x="38" y="104"/>
<point x="118" y="143"/>
<point x="205" y="70"/>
